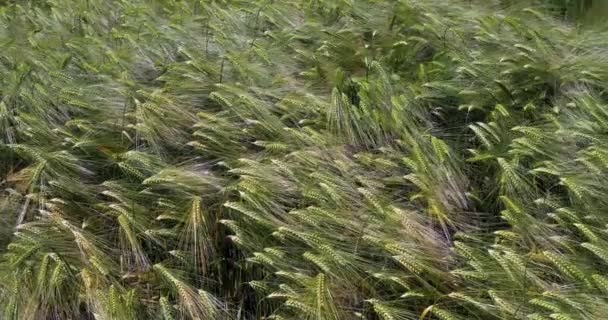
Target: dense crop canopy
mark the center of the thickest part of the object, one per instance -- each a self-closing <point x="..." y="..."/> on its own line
<point x="302" y="159"/>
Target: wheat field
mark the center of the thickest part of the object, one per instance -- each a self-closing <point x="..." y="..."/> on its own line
<point x="303" y="159"/>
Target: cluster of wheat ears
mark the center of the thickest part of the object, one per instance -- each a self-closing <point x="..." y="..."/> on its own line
<point x="302" y="159"/>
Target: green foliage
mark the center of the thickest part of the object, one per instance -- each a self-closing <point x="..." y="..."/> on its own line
<point x="302" y="160"/>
